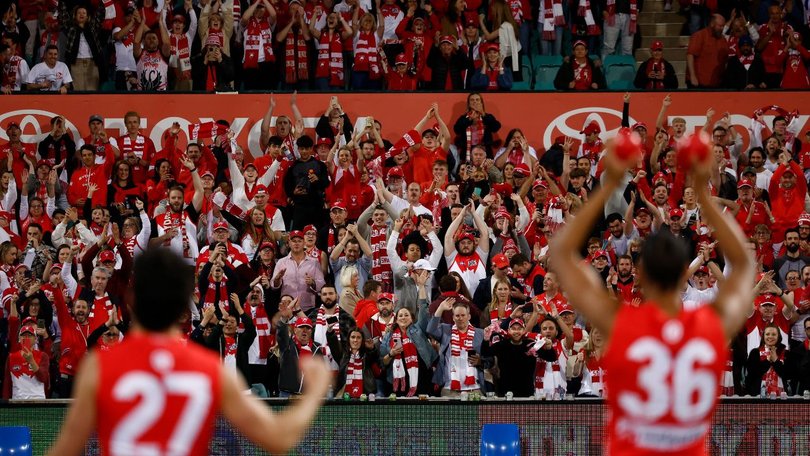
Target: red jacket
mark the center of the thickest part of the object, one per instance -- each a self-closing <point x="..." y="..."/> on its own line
<point x="786" y="203"/>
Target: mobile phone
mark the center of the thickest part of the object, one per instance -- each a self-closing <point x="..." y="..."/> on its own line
<point x="477" y="191"/>
<point x="41" y="323"/>
<point x="471" y="353"/>
<point x="27" y="274"/>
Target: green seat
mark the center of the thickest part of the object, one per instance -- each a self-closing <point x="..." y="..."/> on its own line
<point x="620" y="71"/>
<point x="545" y="70"/>
<point x="528" y="78"/>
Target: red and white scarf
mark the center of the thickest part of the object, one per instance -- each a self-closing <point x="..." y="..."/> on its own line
<point x="216" y="294"/>
<point x="304" y="351"/>
<point x="584" y="11"/>
<point x="380" y="263"/>
<point x="354" y="376"/>
<point x="130" y="243"/>
<point x="771" y="380"/>
<point x="746" y="60"/>
<point x="611" y="10"/>
<point x="258" y="38"/>
<point x="206" y="130"/>
<point x="460" y="346"/>
<point x="406" y="362"/>
<point x="180" y="58"/>
<point x="137" y="146"/>
<point x="264" y="330"/>
<point x="330" y="58"/>
<point x="541" y="366"/>
<point x="552" y="17"/>
<point x="658" y="67"/>
<point x="507" y="312"/>
<point x="174" y="220"/>
<point x="727" y="381"/>
<point x="296" y="67"/>
<point x="10" y="69"/>
<point x="365" y="55"/>
<point x="583" y="75"/>
<point x="319" y="336"/>
<point x="109" y="14"/>
<point x="475" y="135"/>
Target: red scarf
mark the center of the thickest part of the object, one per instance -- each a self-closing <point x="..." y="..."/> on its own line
<point x="583" y="75"/>
<point x="475" y="135"/>
<point x="258" y="38"/>
<point x="459" y="341"/>
<point x="211" y="78"/>
<point x="380" y="264"/>
<point x="206" y="130"/>
<point x="181" y="55"/>
<point x="173" y="220"/>
<point x="507" y="312"/>
<point x="611" y="10"/>
<point x="659" y="67"/>
<point x="406" y="362"/>
<point x="584" y="11"/>
<point x="10" y="71"/>
<point x="354" y="376"/>
<point x="330" y="58"/>
<point x="747" y="60"/>
<point x="304" y="351"/>
<point x="365" y="55"/>
<point x="795" y="76"/>
<point x="771" y="381"/>
<point x="296" y="68"/>
<point x="216" y="294"/>
<point x="540" y="366"/>
<point x="230" y="346"/>
<point x="552" y="17"/>
<point x="264" y="331"/>
<point x="110" y="14"/>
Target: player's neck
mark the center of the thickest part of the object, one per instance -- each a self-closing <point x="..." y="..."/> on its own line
<point x="668" y="301"/>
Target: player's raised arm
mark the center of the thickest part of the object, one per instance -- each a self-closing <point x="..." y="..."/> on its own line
<point x="81" y="418"/>
<point x="585" y="288"/>
<point x="735" y="295"/>
<point x="276" y="433"/>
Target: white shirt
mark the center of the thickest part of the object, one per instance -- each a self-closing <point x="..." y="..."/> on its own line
<point x="57" y="76"/>
<point x="693" y="298"/>
<point x="124" y="58"/>
<point x="20" y="70"/>
<point x="84" y="51"/>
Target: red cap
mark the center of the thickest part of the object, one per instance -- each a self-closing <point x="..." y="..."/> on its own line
<point x="522" y="169"/>
<point x="517" y="321"/>
<point x="338" y="204"/>
<point x="265" y="245"/>
<point x="500" y="261"/>
<point x="745" y="183"/>
<point x="660" y="175"/>
<point x="502" y="213"/>
<point x="303" y="321"/>
<point x="657" y="45"/>
<point x="309" y="228"/>
<point x="540" y="183"/>
<point x="447" y="39"/>
<point x="486" y="47"/>
<point x="401" y="59"/>
<point x="260" y="189"/>
<point x="296" y="233"/>
<point x="179" y="18"/>
<point x="221" y="225"/>
<point x="600" y="253"/>
<point x="209" y="173"/>
<point x="470" y="19"/>
<point x="642" y="209"/>
<point x="767" y="298"/>
<point x="56" y="266"/>
<point x="639" y="125"/>
<point x="325" y="140"/>
<point x="385" y="297"/>
<point x="592" y="127"/>
<point x="396" y="171"/>
<point x="466" y="235"/>
<point x="579" y="43"/>
<point x="44" y="163"/>
<point x="106" y="256"/>
<point x="564" y="307"/>
<point x="702" y="270"/>
<point x="675" y="213"/>
<point x="804" y="219"/>
<point x="28" y="328"/>
<point x="503" y="188"/>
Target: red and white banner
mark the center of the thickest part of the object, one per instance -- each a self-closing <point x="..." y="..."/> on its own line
<point x="541" y="116"/>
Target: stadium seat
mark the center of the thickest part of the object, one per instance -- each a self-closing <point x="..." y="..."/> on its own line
<point x="546" y="67"/>
<point x="500" y="440"/>
<point x="620" y="71"/>
<point x="528" y="78"/>
<point x="15" y="440"/>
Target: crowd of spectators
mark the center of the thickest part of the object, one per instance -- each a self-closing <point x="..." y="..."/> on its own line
<point x="225" y="45"/>
<point x="414" y="262"/>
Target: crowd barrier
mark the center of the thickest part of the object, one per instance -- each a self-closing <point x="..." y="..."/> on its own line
<point x="542" y="116"/>
<point x="742" y="427"/>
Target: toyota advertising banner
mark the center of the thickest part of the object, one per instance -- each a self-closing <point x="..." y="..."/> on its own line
<point x="541" y="116"/>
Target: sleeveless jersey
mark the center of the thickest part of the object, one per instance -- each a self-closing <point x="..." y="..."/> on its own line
<point x="157" y="395"/>
<point x="664" y="379"/>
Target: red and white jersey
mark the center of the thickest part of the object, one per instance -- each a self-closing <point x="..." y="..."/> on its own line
<point x="157" y="395"/>
<point x="153" y="72"/>
<point x="25" y="383"/>
<point x="593" y="378"/>
<point x="664" y="379"/>
<point x="471" y="268"/>
<point x="558" y="300"/>
<point x="236" y="256"/>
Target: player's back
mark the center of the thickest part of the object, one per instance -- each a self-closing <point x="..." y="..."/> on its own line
<point x="663" y="376"/>
<point x="156" y="395"/>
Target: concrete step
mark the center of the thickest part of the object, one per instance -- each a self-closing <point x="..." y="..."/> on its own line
<point x="670" y="42"/>
<point x="661" y="29"/>
<point x="658" y="6"/>
<point x="670" y="54"/>
<point x="653" y="16"/>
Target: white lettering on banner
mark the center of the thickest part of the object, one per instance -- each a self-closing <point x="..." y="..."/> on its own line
<point x="561" y="126"/>
<point x="727" y="438"/>
<point x="557" y="440"/>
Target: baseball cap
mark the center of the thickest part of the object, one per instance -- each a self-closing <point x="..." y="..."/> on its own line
<point x="106" y="256"/>
<point x="309" y="228"/>
<point x="401" y="59"/>
<point x="592" y="127"/>
<point x="768" y="299"/>
<point x="265" y="245"/>
<point x="11" y="124"/>
<point x="396" y="171"/>
<point x="28" y="329"/>
<point x="503" y="213"/>
<point x="56" y="266"/>
<point x="423" y="264"/>
<point x="600" y="253"/>
<point x="95" y="118"/>
<point x="251" y="165"/>
<point x="702" y="270"/>
<point x="804" y="219"/>
<point x="749" y="170"/>
<point x="324" y="140"/>
<point x="643" y="209"/>
<point x="744" y="183"/>
<point x="180" y="18"/>
<point x="522" y="169"/>
<point x="207" y="173"/>
<point x="486" y="47"/>
<point x="638" y="125"/>
<point x="657" y="45"/>
<point x="260" y="189"/>
<point x="44" y="163"/>
<point x="517" y="321"/>
<point x="447" y="39"/>
<point x="338" y="204"/>
<point x="500" y="261"/>
<point x="466" y="235"/>
<point x="675" y="213"/>
<point x="221" y="225"/>
<point x="296" y="233"/>
<point x="503" y="188"/>
<point x="579" y="43"/>
<point x="565" y="307"/>
<point x="385" y="297"/>
<point x="540" y="183"/>
<point x="303" y="321"/>
<point x="660" y="175"/>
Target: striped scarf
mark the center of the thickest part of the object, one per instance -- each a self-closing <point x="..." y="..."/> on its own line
<point x="330" y="58"/>
<point x="296" y="68"/>
<point x="611" y="10"/>
<point x="771" y="380"/>
<point x="459" y="365"/>
<point x="216" y="294"/>
<point x="552" y="17"/>
<point x="354" y="376"/>
<point x="406" y="362"/>
<point x="584" y="11"/>
<point x="365" y="55"/>
<point x="380" y="263"/>
<point x="319" y="336"/>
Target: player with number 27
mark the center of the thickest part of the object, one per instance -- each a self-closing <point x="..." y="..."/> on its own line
<point x="663" y="363"/>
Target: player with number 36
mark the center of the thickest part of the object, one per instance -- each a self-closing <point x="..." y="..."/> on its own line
<point x="663" y="364"/>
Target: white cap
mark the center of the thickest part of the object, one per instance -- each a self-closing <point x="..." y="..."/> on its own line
<point x="423" y="264"/>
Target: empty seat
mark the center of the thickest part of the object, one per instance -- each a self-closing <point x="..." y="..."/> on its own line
<point x="620" y="71"/>
<point x="545" y="70"/>
<point x="528" y="78"/>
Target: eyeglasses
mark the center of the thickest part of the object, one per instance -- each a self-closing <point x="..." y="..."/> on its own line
<point x="110" y="335"/>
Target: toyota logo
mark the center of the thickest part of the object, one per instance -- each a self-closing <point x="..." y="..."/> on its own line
<point x="571" y="122"/>
<point x="31" y="122"/>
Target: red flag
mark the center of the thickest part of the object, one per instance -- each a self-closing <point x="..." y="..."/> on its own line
<point x="206" y="130"/>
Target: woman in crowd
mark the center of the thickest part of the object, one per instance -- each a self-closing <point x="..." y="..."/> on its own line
<point x="766" y="373"/>
<point x="359" y="362"/>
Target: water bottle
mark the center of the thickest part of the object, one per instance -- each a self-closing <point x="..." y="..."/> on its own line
<point x="372" y="397"/>
<point x="330" y="393"/>
<point x="763" y="393"/>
